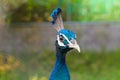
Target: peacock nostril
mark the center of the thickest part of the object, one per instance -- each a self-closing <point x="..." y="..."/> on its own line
<point x="73" y="41"/>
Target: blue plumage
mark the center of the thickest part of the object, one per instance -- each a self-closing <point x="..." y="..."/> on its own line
<point x="68" y="33"/>
<point x="60" y="71"/>
<point x="54" y="14"/>
<point x="66" y="40"/>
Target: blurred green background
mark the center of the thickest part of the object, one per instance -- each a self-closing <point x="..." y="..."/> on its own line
<point x="74" y="10"/>
<point x="28" y="63"/>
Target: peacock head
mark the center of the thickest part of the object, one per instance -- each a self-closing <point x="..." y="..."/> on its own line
<point x="66" y="40"/>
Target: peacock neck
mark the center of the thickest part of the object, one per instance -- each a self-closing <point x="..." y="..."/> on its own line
<point x="60" y="71"/>
<point x="61" y="58"/>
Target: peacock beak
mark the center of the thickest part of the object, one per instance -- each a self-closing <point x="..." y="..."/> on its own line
<point x="73" y="44"/>
<point x="77" y="47"/>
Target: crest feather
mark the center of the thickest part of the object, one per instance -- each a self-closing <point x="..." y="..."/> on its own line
<point x="57" y="21"/>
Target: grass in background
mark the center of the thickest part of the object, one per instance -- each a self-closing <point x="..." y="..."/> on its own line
<point x="82" y="66"/>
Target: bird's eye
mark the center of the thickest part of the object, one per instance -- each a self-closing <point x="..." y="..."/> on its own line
<point x="61" y="38"/>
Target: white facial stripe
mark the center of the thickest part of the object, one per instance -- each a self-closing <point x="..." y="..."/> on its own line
<point x="65" y="38"/>
<point x="59" y="42"/>
<point x="72" y="44"/>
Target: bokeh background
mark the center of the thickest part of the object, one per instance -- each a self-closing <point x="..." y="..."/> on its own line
<point x="27" y="50"/>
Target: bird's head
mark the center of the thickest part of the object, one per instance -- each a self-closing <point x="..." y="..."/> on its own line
<point x="66" y="40"/>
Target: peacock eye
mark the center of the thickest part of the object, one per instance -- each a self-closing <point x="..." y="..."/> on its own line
<point x="61" y="38"/>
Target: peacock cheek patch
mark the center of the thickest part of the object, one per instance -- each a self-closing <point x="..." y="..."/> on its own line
<point x="65" y="42"/>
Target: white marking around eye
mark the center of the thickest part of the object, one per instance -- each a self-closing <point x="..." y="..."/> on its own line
<point x="65" y="38"/>
<point x="59" y="42"/>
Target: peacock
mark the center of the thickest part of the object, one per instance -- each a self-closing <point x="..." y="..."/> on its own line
<point x="65" y="41"/>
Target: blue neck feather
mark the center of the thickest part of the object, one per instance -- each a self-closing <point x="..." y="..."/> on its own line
<point x="60" y="71"/>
